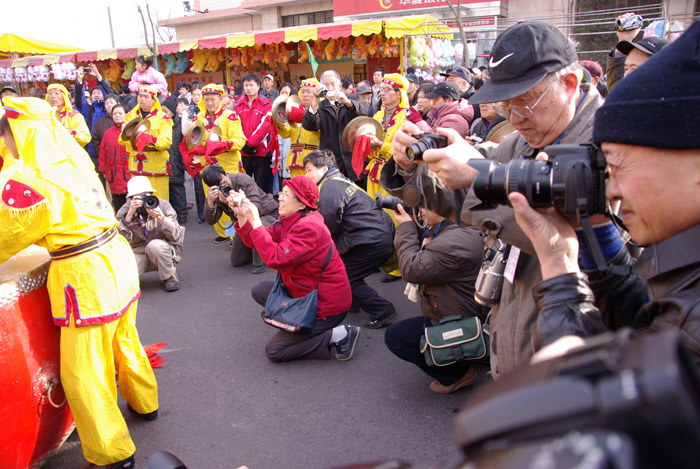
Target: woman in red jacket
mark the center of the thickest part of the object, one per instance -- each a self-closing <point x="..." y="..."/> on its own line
<point x="114" y="159"/>
<point x="297" y="246"/>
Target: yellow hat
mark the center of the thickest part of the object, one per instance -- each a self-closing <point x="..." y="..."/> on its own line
<point x="151" y="90"/>
<point x="211" y="88"/>
<point x="398" y="81"/>
<point x="308" y="83"/>
<point x="66" y="97"/>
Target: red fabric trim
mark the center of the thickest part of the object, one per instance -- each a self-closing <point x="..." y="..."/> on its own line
<point x="145" y="173"/>
<point x="360" y="151"/>
<point x="337" y="30"/>
<point x="86" y="56"/>
<point x="212" y="43"/>
<point x="18" y="195"/>
<point x="89" y="321"/>
<point x="272" y="37"/>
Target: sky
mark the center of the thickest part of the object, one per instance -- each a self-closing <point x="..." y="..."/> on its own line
<point x="83" y="23"/>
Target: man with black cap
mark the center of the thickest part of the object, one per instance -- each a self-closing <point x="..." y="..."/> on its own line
<point x="655" y="177"/>
<point x="462" y="77"/>
<point x="412" y="92"/>
<point x="536" y="78"/>
<point x="626" y="56"/>
<point x="449" y="111"/>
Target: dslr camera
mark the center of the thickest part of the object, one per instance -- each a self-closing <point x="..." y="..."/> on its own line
<point x="150" y="202"/>
<point x="426" y="141"/>
<point x="572" y="180"/>
<point x="227" y="191"/>
<point x="392" y="203"/>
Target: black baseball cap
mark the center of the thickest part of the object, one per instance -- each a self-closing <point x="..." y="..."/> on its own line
<point x="362" y="89"/>
<point x="413" y="78"/>
<point x="8" y="88"/>
<point x="446" y="89"/>
<point x="522" y="56"/>
<point x="460" y="72"/>
<point x="648" y="45"/>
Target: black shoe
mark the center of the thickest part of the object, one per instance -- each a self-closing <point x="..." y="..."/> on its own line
<point x="346" y="347"/>
<point x="151" y="416"/>
<point x="182" y="221"/>
<point x="201" y="220"/>
<point x="259" y="269"/>
<point x="379" y="323"/>
<point x="127" y="463"/>
<point x="221" y="239"/>
<point x="172" y="284"/>
<point x="388" y="278"/>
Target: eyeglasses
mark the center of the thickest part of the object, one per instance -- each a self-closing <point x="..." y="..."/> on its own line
<point x="386" y="89"/>
<point x="523" y="112"/>
<point x="284" y="195"/>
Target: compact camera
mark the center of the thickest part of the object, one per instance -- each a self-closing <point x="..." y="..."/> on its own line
<point x="426" y="141"/>
<point x="489" y="282"/>
<point x="572" y="180"/>
<point x="86" y="70"/>
<point x="628" y="23"/>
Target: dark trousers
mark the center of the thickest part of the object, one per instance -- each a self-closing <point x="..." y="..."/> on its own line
<point x="258" y="167"/>
<point x="241" y="254"/>
<point x="178" y="199"/>
<point x="199" y="197"/>
<point x="118" y="200"/>
<point x="360" y="262"/>
<point x="403" y="339"/>
<point x="286" y="346"/>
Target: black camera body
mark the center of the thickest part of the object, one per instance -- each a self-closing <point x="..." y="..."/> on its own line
<point x="225" y="189"/>
<point x="391" y="203"/>
<point x="426" y="141"/>
<point x="572" y="180"/>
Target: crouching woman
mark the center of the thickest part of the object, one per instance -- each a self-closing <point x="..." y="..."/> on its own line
<point x="297" y="247"/>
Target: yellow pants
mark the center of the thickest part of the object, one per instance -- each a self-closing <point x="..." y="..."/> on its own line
<point x="89" y="355"/>
<point x="162" y="186"/>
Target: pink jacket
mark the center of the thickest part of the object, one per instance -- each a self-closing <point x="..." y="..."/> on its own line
<point x="150" y="77"/>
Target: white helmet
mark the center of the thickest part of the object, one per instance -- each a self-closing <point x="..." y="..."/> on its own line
<point x="138" y="185"/>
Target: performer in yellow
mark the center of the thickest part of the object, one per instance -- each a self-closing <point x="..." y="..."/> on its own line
<point x="57" y="96"/>
<point x="153" y="161"/>
<point x="51" y="196"/>
<point x="227" y="151"/>
<point x="303" y="141"/>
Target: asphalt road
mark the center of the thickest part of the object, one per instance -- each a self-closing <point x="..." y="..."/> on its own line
<point x="224" y="405"/>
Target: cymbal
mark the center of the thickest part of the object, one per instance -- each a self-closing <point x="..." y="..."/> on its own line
<point x="129" y="128"/>
<point x="499" y="132"/>
<point x="195" y="135"/>
<point x="143" y="126"/>
<point x="279" y="114"/>
<point x="214" y="134"/>
<point x="294" y="116"/>
<point x="361" y="126"/>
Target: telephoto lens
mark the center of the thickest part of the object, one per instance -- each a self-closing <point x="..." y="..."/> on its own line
<point x="391" y="203"/>
<point x="150" y="202"/>
<point x="426" y="141"/>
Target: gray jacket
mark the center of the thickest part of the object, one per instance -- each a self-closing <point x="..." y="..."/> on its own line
<point x="513" y="320"/>
<point x="139" y="232"/>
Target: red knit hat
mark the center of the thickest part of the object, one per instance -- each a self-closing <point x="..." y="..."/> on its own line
<point x="305" y="189"/>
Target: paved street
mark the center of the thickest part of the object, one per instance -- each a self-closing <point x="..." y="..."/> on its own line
<point x="223" y="404"/>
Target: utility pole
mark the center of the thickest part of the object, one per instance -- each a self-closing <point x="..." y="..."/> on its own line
<point x="111" y="30"/>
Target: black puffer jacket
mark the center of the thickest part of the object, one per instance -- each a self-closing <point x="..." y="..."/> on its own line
<point x="672" y="272"/>
<point x="177" y="166"/>
<point x="351" y="215"/>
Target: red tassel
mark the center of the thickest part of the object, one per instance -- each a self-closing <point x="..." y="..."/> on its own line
<point x="152" y="353"/>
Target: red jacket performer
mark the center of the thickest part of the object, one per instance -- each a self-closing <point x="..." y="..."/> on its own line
<point x="51" y="196"/>
<point x="298" y="248"/>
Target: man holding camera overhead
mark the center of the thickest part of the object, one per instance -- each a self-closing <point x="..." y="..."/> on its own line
<point x="150" y="226"/>
<point x="536" y="77"/>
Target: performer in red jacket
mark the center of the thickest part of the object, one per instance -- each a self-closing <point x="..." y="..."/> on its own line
<point x="114" y="159"/>
<point x="297" y="247"/>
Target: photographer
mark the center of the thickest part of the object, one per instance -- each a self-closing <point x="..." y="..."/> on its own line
<point x="362" y="232"/>
<point x="655" y="177"/>
<point x="217" y="204"/>
<point x="441" y="262"/>
<point x="152" y="231"/>
<point x="534" y="72"/>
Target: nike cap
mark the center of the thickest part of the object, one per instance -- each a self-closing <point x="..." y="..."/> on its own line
<point x="522" y="56"/>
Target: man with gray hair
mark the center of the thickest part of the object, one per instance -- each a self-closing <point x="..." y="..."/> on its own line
<point x="330" y="116"/>
<point x="536" y="78"/>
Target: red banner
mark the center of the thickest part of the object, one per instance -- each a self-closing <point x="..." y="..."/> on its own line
<point x="358" y="7"/>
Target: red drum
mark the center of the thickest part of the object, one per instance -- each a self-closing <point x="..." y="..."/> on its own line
<point x="36" y="418"/>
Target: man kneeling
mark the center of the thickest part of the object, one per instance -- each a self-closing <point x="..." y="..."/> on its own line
<point x="150" y="225"/>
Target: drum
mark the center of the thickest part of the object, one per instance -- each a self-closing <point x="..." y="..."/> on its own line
<point x="36" y="418"/>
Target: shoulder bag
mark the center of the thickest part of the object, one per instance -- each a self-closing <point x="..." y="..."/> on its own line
<point x="292" y="314"/>
<point x="455" y="339"/>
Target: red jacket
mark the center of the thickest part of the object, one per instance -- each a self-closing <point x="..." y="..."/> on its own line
<point x="297" y="247"/>
<point x="114" y="161"/>
<point x="255" y="122"/>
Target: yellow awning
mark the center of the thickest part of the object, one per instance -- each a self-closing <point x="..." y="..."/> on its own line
<point x="424" y="24"/>
<point x="241" y="40"/>
<point x="23" y="45"/>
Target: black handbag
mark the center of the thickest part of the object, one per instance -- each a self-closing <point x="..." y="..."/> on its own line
<point x="292" y="314"/>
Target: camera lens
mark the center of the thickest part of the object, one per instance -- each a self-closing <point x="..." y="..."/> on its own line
<point x="391" y="203"/>
<point x="225" y="189"/>
<point x="150" y="202"/>
<point x="529" y="177"/>
<point x="427" y="141"/>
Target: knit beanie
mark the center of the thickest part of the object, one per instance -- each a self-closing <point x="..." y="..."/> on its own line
<point x="658" y="105"/>
<point x="305" y="190"/>
<point x="171" y="103"/>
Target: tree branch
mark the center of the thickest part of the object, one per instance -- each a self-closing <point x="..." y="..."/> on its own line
<point x="458" y="16"/>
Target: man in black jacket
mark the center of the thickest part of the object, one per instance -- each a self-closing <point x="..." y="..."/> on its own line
<point x="363" y="233"/>
<point x="330" y="116"/>
<point x="178" y="196"/>
<point x="96" y="109"/>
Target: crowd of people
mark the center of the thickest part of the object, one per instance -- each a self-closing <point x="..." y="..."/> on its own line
<point x="289" y="195"/>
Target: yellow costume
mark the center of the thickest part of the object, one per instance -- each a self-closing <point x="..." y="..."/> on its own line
<point x="70" y="118"/>
<point x="231" y="131"/>
<point x="51" y="197"/>
<point x="152" y="163"/>
<point x="303" y="141"/>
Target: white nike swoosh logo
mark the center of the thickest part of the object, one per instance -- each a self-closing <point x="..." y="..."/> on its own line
<point x="493" y="64"/>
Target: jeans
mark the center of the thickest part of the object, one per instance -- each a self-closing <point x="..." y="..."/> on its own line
<point x="403" y="340"/>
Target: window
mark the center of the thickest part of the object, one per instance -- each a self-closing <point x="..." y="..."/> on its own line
<point x="302" y="19"/>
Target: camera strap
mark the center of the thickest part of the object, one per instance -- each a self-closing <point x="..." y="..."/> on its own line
<point x="582" y="205"/>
